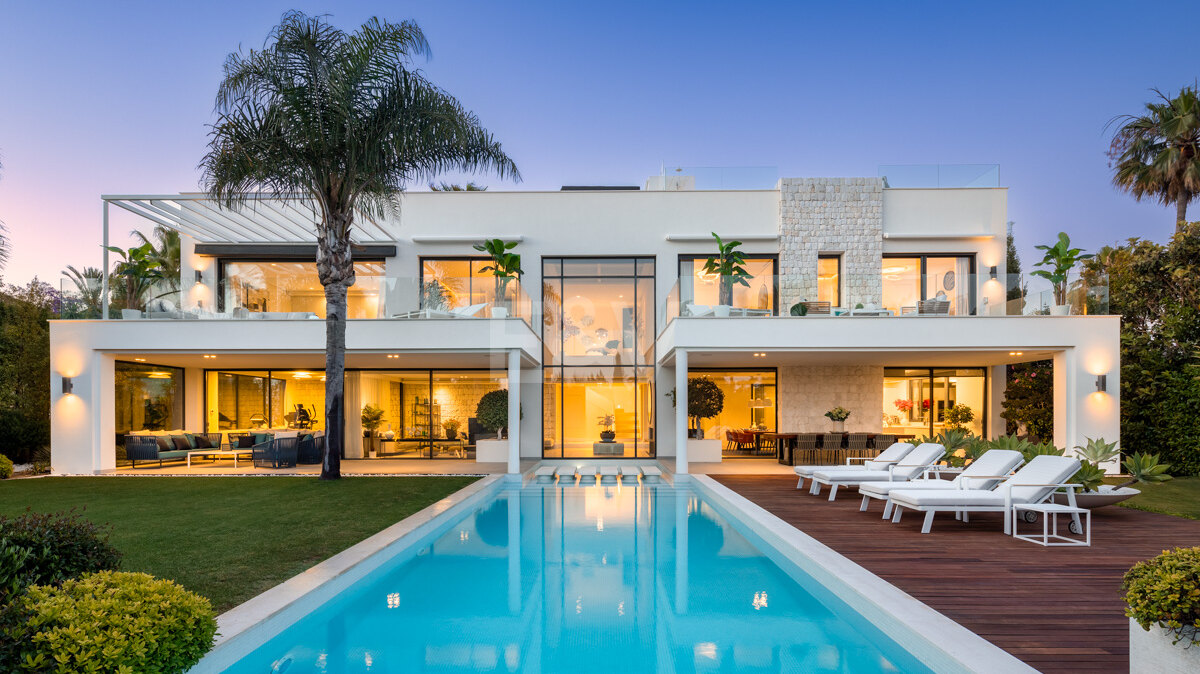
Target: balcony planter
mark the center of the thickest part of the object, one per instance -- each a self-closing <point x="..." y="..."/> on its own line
<point x="491" y="451"/>
<point x="1154" y="651"/>
<point x="721" y="310"/>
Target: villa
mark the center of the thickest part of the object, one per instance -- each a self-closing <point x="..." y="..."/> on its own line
<point x="902" y="281"/>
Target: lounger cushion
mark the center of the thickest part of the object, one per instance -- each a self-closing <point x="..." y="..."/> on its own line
<point x="911" y="466"/>
<point x="892" y="454"/>
<point x="851" y="476"/>
<point x="992" y="462"/>
<point x="1041" y="470"/>
<point x="881" y="489"/>
<point x="949" y="497"/>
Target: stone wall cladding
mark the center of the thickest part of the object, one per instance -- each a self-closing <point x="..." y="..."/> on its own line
<point x="806" y="393"/>
<point x="830" y="215"/>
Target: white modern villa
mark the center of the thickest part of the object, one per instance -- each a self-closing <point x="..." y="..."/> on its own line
<point x="904" y="290"/>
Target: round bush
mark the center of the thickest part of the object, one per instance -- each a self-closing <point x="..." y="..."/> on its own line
<point x="1165" y="591"/>
<point x="113" y="622"/>
<point x="492" y="411"/>
<point x="6" y="467"/>
<point x="60" y="546"/>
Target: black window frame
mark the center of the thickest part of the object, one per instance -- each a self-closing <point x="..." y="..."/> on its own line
<point x="987" y="389"/>
<point x="925" y="257"/>
<point x="773" y="257"/>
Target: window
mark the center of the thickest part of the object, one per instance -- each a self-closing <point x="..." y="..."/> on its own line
<point x="750" y="404"/>
<point x="909" y="279"/>
<point x="701" y="289"/>
<point x="598" y="335"/>
<point x="916" y="400"/>
<point x="453" y="283"/>
<point x="148" y="398"/>
<point x="829" y="279"/>
<point x="252" y="400"/>
<point x="289" y="286"/>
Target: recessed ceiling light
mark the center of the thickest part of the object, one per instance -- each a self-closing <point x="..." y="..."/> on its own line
<point x="140" y="360"/>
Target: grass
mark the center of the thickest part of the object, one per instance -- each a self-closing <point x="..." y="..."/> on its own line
<point x="230" y="538"/>
<point x="1179" y="497"/>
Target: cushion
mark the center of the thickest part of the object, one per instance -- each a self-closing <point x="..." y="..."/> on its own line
<point x="287" y="434"/>
<point x="949" y="497"/>
<point x="181" y="443"/>
<point x="164" y="443"/>
<point x="260" y="438"/>
<point x="246" y="441"/>
<point x="855" y="476"/>
<point x="202" y="442"/>
<point x="882" y="489"/>
<point x="191" y="438"/>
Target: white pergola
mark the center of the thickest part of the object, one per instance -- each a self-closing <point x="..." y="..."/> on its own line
<point x="263" y="219"/>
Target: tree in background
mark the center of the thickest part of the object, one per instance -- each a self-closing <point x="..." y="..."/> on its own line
<point x="1017" y="287"/>
<point x="1156" y="155"/>
<point x="25" y="368"/>
<point x="138" y="272"/>
<point x="1156" y="290"/>
<point x="344" y="123"/>
<point x="88" y="286"/>
<point x="453" y="187"/>
<point x="4" y="247"/>
<point x="1029" y="400"/>
<point x="164" y="253"/>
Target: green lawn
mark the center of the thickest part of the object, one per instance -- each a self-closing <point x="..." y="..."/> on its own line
<point x="230" y="538"/>
<point x="1179" y="497"/>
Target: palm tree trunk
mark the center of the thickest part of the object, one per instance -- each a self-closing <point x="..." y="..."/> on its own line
<point x="335" y="269"/>
<point x="1181" y="205"/>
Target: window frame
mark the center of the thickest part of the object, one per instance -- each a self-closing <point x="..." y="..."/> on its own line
<point x="924" y="258"/>
<point x="773" y="257"/>
<point x="830" y="256"/>
<point x="984" y="419"/>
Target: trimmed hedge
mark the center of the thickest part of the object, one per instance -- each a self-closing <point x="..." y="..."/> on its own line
<point x="6" y="467"/>
<point x="1165" y="591"/>
<point x="108" y="622"/>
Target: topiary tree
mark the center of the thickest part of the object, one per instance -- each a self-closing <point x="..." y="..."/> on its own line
<point x="492" y="410"/>
<point x="705" y="400"/>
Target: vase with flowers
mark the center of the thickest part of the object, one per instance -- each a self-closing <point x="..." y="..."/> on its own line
<point x="838" y="416"/>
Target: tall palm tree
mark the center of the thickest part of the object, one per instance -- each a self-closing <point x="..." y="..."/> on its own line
<point x="1157" y="154"/>
<point x="87" y="283"/>
<point x="4" y="248"/>
<point x="444" y="186"/>
<point x="164" y="251"/>
<point x="340" y="121"/>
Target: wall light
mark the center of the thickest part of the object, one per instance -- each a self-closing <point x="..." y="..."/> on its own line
<point x="1101" y="383"/>
<point x="992" y="272"/>
<point x="200" y="276"/>
<point x="68" y="386"/>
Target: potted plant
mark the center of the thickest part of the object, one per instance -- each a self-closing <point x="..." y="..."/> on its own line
<point x="606" y="423"/>
<point x="492" y="411"/>
<point x="727" y="266"/>
<point x="1060" y="259"/>
<point x="799" y="309"/>
<point x="838" y="416"/>
<point x="1142" y="468"/>
<point x="505" y="267"/>
<point x="451" y="427"/>
<point x="705" y="400"/>
<point x="1162" y="597"/>
<point x="372" y="419"/>
<point x="958" y="416"/>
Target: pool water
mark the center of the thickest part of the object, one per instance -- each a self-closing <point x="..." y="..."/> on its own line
<point x="584" y="579"/>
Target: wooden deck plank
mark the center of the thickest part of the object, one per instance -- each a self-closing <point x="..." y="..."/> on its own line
<point x="1058" y="609"/>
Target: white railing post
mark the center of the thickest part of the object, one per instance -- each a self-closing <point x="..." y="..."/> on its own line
<point x="104" y="269"/>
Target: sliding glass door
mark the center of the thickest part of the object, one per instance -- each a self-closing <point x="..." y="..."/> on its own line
<point x="918" y="401"/>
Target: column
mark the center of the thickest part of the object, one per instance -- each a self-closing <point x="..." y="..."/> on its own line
<point x="997" y="385"/>
<point x="681" y="407"/>
<point x="514" y="411"/>
<point x="1065" y="398"/>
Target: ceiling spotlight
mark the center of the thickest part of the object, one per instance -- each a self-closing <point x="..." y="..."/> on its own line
<point x="140" y="360"/>
<point x="1016" y="353"/>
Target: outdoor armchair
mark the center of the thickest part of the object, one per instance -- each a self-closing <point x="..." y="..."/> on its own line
<point x="276" y="453"/>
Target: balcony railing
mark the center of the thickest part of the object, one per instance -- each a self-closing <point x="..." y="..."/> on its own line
<point x="884" y="295"/>
<point x="372" y="297"/>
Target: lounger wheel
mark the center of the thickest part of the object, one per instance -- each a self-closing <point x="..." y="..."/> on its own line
<point x="1029" y="516"/>
<point x="1074" y="528"/>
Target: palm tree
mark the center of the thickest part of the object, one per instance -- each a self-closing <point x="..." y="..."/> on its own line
<point x="444" y="186"/>
<point x="87" y="284"/>
<point x="4" y="249"/>
<point x="164" y="251"/>
<point x="340" y="121"/>
<point x="1157" y="154"/>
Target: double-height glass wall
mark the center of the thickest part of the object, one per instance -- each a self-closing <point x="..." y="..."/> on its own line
<point x="924" y="401"/>
<point x="700" y="292"/>
<point x="598" y="333"/>
<point x="273" y="288"/>
<point x="909" y="279"/>
<point x="148" y="398"/>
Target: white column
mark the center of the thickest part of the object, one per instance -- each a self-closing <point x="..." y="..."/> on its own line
<point x="681" y="408"/>
<point x="997" y="385"/>
<point x="514" y="411"/>
<point x="104" y="269"/>
<point x="104" y="414"/>
<point x="1065" y="398"/>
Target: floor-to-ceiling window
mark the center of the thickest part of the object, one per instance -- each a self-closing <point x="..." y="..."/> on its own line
<point x="748" y="406"/>
<point x="245" y="400"/>
<point x="598" y="334"/>
<point x="907" y="279"/>
<point x="291" y="286"/>
<point x="696" y="287"/>
<point x="829" y="279"/>
<point x="147" y="398"/>
<point x="918" y="401"/>
<point x="458" y="282"/>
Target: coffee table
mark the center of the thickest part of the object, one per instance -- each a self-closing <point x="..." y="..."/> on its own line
<point x="217" y="452"/>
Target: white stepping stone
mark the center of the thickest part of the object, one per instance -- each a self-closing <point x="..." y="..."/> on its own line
<point x="651" y="473"/>
<point x="545" y="473"/>
<point x="608" y="474"/>
<point x="629" y="474"/>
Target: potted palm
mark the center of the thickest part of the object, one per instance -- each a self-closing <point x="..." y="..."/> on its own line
<point x="505" y="267"/>
<point x="1060" y="259"/>
<point x="726" y="265"/>
<point x="372" y="419"/>
<point x="838" y="416"/>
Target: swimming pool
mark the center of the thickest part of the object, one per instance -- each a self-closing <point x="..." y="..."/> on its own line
<point x="583" y="579"/>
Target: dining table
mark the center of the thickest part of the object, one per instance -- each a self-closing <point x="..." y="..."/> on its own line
<point x="785" y="442"/>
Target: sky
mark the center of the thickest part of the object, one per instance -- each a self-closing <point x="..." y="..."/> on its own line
<point x="114" y="97"/>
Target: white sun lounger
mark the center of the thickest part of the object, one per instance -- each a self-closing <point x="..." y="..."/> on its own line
<point x="983" y="473"/>
<point x="651" y="473"/>
<point x="629" y="474"/>
<point x="885" y="458"/>
<point x="1034" y="483"/>
<point x="913" y="465"/>
<point x="545" y="473"/>
<point x="608" y="474"/>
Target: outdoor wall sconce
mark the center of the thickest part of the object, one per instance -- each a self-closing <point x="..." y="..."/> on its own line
<point x="199" y="276"/>
<point x="1101" y="383"/>
<point x="992" y="272"/>
<point x="67" y="385"/>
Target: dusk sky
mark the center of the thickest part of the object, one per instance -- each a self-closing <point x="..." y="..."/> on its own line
<point x="114" y="97"/>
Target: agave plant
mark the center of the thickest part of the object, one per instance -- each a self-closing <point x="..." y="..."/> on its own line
<point x="1010" y="442"/>
<point x="1097" y="451"/>
<point x="1090" y="476"/>
<point x="1145" y="468"/>
<point x="1041" y="449"/>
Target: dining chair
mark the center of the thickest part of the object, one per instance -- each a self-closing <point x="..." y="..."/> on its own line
<point x="856" y="445"/>
<point x="831" y="448"/>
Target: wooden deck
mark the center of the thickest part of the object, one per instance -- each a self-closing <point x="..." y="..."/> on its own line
<point x="1058" y="609"/>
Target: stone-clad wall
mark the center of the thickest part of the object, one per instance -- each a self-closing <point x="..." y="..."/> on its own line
<point x="806" y="393"/>
<point x="830" y="215"/>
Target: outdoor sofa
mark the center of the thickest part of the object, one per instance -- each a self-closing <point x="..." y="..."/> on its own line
<point x="169" y="446"/>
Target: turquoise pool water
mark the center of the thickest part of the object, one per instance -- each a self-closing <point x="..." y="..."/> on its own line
<point x="584" y="579"/>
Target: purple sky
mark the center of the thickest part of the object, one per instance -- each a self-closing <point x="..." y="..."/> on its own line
<point x="114" y="97"/>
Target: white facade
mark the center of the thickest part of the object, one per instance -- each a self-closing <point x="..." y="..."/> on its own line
<point x="818" y="360"/>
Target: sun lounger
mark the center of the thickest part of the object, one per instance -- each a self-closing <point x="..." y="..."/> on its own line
<point x="545" y="473"/>
<point x="608" y="474"/>
<point x="983" y="473"/>
<point x="885" y="458"/>
<point x="1034" y="483"/>
<point x="912" y="466"/>
<point x="651" y="473"/>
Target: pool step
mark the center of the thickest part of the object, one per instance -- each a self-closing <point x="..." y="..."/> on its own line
<point x="651" y="473"/>
<point x="629" y="474"/>
<point x="608" y="474"/>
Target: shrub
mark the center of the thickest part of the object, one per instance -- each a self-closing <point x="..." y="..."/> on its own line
<point x="61" y="546"/>
<point x="108" y="622"/>
<point x="22" y="434"/>
<point x="1165" y="591"/>
<point x="6" y="467"/>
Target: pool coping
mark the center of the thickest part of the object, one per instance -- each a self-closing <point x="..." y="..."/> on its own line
<point x="943" y="644"/>
<point x="249" y="624"/>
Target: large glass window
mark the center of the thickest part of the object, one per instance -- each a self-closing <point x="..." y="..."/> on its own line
<point x="454" y="283"/>
<point x="598" y="333"/>
<point x="264" y="399"/>
<point x="829" y="279"/>
<point x="909" y="279"/>
<point x="293" y="287"/>
<point x="750" y="407"/>
<point x="704" y="290"/>
<point x="918" y="401"/>
<point x="148" y="398"/>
